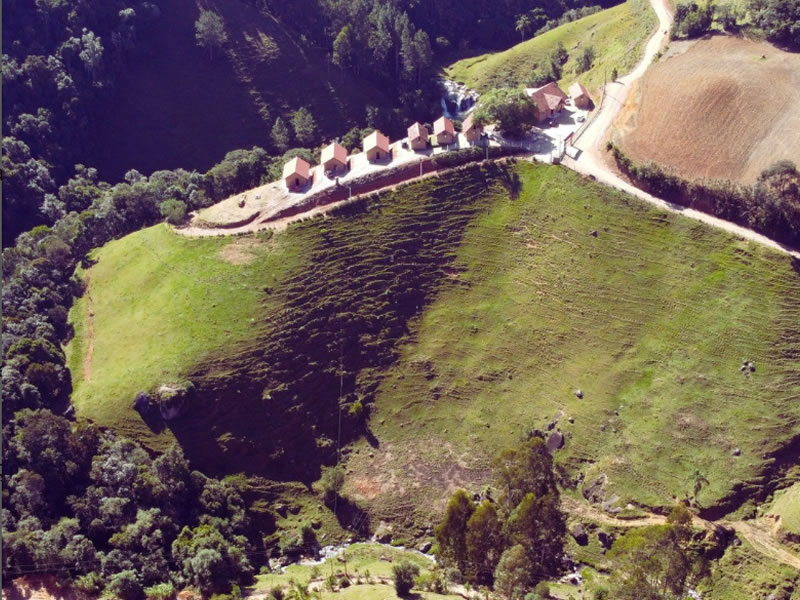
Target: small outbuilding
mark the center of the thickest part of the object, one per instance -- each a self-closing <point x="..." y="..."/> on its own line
<point x="418" y="136"/>
<point x="296" y="173"/>
<point x="334" y="158"/>
<point x="444" y="131"/>
<point x="580" y="96"/>
<point x="471" y="130"/>
<point x="376" y="146"/>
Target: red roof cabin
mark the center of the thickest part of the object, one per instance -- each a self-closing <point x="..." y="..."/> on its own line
<point x="376" y="146"/>
<point x="549" y="100"/>
<point x="334" y="158"/>
<point x="580" y="96"/>
<point x="296" y="173"/>
<point x="471" y="130"/>
<point x="418" y="136"/>
<point x="444" y="131"/>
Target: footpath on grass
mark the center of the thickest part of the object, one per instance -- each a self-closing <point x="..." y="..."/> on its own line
<point x="756" y="532"/>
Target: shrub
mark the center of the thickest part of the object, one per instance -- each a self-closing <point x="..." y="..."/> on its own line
<point x="277" y="593"/>
<point x="125" y="585"/>
<point x="174" y="211"/>
<point x="404" y="574"/>
<point x="160" y="591"/>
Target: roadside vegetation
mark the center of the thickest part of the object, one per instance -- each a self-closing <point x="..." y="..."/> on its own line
<point x="613" y="37"/>
<point x="777" y="20"/>
<point x="770" y="206"/>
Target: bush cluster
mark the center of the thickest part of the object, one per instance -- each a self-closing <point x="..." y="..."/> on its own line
<point x="770" y="206"/>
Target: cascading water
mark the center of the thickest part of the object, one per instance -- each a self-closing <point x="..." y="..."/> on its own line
<point x="456" y="98"/>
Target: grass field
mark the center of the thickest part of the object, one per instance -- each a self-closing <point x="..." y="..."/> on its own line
<point x="617" y="35"/>
<point x="374" y="559"/>
<point x="651" y="320"/>
<point x="787" y="507"/>
<point x="716" y="90"/>
<point x="161" y="303"/>
<point x="469" y="308"/>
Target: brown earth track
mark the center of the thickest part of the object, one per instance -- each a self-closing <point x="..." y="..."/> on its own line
<point x="757" y="532"/>
<point x="726" y="108"/>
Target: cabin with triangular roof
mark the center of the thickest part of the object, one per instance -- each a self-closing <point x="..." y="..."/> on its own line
<point x="471" y="130"/>
<point x="296" y="174"/>
<point x="334" y="158"/>
<point x="549" y="100"/>
<point x="418" y="136"/>
<point x="376" y="146"/>
<point x="444" y="131"/>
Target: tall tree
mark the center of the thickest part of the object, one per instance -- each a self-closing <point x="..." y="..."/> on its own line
<point x="343" y="51"/>
<point x="305" y="128"/>
<point x="209" y="31"/>
<point x="522" y="25"/>
<point x="451" y="533"/>
<point x="484" y="543"/>
<point x="280" y="135"/>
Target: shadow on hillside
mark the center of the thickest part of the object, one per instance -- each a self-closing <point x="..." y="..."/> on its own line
<point x="352" y="517"/>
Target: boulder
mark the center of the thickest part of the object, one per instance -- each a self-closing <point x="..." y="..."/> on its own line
<point x="579" y="533"/>
<point x="593" y="233"/>
<point x="175" y="400"/>
<point x="383" y="533"/>
<point x="579" y="393"/>
<point x="555" y="441"/>
<point x="425" y="547"/>
<point x="142" y="403"/>
<point x="737" y="452"/>
<point x="605" y="539"/>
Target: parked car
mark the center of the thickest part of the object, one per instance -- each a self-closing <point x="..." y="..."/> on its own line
<point x="581" y="118"/>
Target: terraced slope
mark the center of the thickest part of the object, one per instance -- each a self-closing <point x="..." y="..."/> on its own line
<point x="467" y="309"/>
<point x="270" y="345"/>
<point x="651" y="320"/>
<point x="617" y="35"/>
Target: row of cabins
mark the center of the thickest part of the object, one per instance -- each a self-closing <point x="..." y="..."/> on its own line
<point x="334" y="160"/>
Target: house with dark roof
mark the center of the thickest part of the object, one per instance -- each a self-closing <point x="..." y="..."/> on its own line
<point x="549" y="100"/>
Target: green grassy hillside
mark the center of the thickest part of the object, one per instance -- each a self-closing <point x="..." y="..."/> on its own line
<point x="179" y="108"/>
<point x="787" y="507"/>
<point x="651" y="319"/>
<point x="617" y="35"/>
<point x="318" y="310"/>
<point x="468" y="309"/>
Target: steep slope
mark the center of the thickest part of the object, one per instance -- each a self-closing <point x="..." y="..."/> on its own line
<point x="181" y="108"/>
<point x="651" y="320"/>
<point x="468" y="309"/>
<point x="617" y="35"/>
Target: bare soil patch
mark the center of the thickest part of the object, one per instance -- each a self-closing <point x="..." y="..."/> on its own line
<point x="724" y="108"/>
<point x="243" y="251"/>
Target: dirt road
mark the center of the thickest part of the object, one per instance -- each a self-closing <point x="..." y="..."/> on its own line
<point x="591" y="143"/>
<point x="756" y="532"/>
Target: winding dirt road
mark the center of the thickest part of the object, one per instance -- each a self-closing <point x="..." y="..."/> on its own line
<point x="591" y="142"/>
<point x="756" y="532"/>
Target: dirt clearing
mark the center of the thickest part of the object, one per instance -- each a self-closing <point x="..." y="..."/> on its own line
<point x="724" y="108"/>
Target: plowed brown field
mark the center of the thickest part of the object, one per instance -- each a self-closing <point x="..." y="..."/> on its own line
<point x="725" y="108"/>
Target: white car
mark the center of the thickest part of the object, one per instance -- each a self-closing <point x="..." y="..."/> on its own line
<point x="581" y="118"/>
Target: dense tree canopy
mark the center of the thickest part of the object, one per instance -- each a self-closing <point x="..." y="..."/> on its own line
<point x="510" y="108"/>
